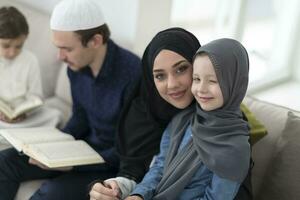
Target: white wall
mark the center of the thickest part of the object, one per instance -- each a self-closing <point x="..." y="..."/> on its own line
<point x="132" y="22"/>
<point x="121" y="21"/>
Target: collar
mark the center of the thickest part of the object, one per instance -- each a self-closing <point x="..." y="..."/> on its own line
<point x="107" y="65"/>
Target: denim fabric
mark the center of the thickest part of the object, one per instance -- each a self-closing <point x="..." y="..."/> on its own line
<point x="205" y="185"/>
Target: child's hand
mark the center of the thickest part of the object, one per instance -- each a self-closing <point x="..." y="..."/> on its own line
<point x="42" y="166"/>
<point x="7" y="120"/>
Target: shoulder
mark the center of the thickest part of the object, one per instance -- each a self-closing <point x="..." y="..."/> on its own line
<point x="132" y="63"/>
<point x="127" y="59"/>
<point x="27" y="60"/>
<point x="28" y="56"/>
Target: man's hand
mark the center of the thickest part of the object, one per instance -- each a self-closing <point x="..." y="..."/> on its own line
<point x="42" y="166"/>
<point x="134" y="197"/>
<point x="7" y="120"/>
<point x="109" y="191"/>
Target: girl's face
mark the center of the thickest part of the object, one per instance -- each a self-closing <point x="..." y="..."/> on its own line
<point x="173" y="78"/>
<point x="205" y="87"/>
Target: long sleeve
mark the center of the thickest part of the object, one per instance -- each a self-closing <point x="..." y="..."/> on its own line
<point x="34" y="85"/>
<point x="220" y="189"/>
<point x="147" y="187"/>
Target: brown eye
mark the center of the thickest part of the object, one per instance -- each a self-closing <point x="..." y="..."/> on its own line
<point x="196" y="79"/>
<point x="181" y="69"/>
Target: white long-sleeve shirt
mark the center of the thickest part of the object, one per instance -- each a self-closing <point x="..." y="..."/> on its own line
<point x="20" y="76"/>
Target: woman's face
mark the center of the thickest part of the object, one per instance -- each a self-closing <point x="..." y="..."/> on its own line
<point x="173" y="78"/>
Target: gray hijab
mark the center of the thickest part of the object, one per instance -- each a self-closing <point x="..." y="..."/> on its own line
<point x="220" y="137"/>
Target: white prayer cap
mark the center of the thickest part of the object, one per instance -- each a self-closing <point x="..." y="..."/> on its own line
<point x="74" y="15"/>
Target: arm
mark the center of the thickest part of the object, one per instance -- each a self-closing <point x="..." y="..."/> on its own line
<point x="120" y="186"/>
<point x="147" y="187"/>
<point x="221" y="188"/>
<point x="34" y="83"/>
<point x="112" y="188"/>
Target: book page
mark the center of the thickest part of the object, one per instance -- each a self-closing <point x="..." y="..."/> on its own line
<point x="18" y="137"/>
<point x="5" y="108"/>
<point x="26" y="104"/>
<point x="20" y="105"/>
<point x="64" y="153"/>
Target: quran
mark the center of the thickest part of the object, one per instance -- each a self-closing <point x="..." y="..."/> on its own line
<point x="51" y="146"/>
<point x="14" y="108"/>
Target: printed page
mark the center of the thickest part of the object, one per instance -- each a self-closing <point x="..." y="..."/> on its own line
<point x="24" y="105"/>
<point x="64" y="153"/>
<point x="5" y="108"/>
<point x="18" y="137"/>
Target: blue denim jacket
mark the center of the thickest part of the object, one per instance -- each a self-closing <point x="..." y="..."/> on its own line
<point x="205" y="185"/>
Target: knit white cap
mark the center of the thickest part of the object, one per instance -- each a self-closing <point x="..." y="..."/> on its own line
<point x="74" y="15"/>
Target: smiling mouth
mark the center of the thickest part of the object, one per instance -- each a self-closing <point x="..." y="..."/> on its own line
<point x="205" y="99"/>
<point x="177" y="95"/>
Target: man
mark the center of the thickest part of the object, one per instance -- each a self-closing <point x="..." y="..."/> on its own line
<point x="102" y="77"/>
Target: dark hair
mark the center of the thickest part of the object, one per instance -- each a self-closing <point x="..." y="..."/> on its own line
<point x="13" y="23"/>
<point x="86" y="35"/>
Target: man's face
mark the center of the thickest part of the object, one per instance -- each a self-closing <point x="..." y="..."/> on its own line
<point x="11" y="48"/>
<point x="71" y="50"/>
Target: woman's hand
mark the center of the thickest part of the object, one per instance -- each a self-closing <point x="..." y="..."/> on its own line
<point x="42" y="166"/>
<point x="109" y="191"/>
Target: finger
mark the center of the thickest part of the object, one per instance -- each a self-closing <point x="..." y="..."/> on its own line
<point x="101" y="189"/>
<point x="98" y="196"/>
<point x="114" y="186"/>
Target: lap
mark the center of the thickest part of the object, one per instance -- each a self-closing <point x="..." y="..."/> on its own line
<point x="72" y="185"/>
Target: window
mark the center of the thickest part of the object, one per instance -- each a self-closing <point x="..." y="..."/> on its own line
<point x="267" y="28"/>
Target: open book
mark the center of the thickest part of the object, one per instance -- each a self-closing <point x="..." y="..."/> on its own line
<point x="19" y="106"/>
<point x="51" y="147"/>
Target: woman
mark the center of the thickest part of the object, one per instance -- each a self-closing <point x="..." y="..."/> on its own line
<point x="144" y="121"/>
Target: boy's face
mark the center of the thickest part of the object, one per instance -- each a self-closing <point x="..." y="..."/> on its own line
<point x="205" y="87"/>
<point x="71" y="50"/>
<point x="11" y="48"/>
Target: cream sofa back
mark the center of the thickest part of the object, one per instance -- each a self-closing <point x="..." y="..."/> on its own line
<point x="274" y="117"/>
<point x="39" y="42"/>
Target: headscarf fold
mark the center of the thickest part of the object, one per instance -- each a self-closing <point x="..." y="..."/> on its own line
<point x="147" y="115"/>
<point x="220" y="137"/>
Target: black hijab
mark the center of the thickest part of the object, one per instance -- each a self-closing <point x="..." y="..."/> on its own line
<point x="147" y="115"/>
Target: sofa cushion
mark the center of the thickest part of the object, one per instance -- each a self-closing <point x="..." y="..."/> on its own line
<point x="283" y="177"/>
<point x="274" y="118"/>
<point x="257" y="129"/>
<point x="27" y="189"/>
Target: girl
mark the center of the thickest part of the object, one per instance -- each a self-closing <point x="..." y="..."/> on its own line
<point x="204" y="152"/>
